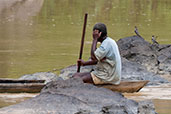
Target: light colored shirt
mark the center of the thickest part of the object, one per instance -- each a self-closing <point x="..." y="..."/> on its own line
<point x="108" y="69"/>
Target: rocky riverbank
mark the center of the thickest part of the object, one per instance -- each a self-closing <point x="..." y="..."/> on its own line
<point x="64" y="95"/>
<point x="72" y="96"/>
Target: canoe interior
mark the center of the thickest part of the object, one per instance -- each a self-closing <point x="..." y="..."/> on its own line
<point x="126" y="86"/>
<point x="18" y="86"/>
<point x="6" y="80"/>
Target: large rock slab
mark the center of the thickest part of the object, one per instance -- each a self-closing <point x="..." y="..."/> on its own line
<point x="136" y="71"/>
<point x="155" y="57"/>
<point x="72" y="96"/>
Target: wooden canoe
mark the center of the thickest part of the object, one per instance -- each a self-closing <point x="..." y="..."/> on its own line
<point x="126" y="86"/>
<point x="7" y="80"/>
<point x="18" y="86"/>
<point x="35" y="86"/>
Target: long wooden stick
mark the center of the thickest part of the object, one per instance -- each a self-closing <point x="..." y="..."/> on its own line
<point x="82" y="40"/>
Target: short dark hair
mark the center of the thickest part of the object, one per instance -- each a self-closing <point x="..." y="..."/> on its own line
<point x="101" y="27"/>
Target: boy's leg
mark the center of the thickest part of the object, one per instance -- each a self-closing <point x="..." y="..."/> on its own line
<point x="86" y="77"/>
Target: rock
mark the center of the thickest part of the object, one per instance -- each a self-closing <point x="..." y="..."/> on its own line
<point x="47" y="76"/>
<point x="67" y="72"/>
<point x="146" y="107"/>
<point x="72" y="96"/>
<point x="135" y="71"/>
<point x="138" y="50"/>
<point x="164" y="58"/>
<point x="155" y="59"/>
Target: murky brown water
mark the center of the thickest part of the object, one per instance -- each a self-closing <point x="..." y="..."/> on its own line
<point x="160" y="95"/>
<point x="42" y="35"/>
<point x="162" y="106"/>
<point x="7" y="99"/>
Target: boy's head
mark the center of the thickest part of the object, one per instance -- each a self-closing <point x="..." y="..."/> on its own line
<point x="102" y="28"/>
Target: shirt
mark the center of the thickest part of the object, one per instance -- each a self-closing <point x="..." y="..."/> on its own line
<point x="108" y="69"/>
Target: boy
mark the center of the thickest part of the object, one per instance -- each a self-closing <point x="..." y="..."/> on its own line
<point x="106" y="58"/>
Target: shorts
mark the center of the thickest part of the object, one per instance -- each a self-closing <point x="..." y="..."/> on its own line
<point x="97" y="80"/>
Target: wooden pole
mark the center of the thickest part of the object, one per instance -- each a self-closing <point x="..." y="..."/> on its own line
<point x="82" y="40"/>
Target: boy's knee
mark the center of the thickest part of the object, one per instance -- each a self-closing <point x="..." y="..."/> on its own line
<point x="75" y="75"/>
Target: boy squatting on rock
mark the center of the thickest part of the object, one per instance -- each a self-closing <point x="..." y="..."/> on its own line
<point x="106" y="59"/>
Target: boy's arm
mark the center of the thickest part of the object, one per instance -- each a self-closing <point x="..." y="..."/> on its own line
<point x="84" y="63"/>
<point x="93" y="61"/>
<point x="96" y="35"/>
<point x="93" y="49"/>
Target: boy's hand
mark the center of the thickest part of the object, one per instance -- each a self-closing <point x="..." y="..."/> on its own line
<point x="80" y="62"/>
<point x="96" y="34"/>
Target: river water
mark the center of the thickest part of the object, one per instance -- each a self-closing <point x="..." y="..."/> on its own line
<point x="44" y="35"/>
